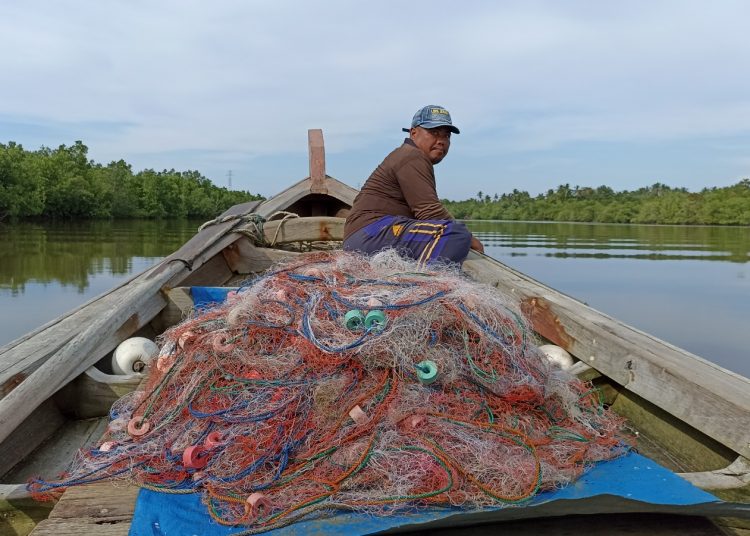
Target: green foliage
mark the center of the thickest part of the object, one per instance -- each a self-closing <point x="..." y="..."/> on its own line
<point x="64" y="184"/>
<point x="654" y="204"/>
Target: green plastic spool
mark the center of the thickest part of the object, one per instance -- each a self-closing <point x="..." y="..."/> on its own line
<point x="375" y="320"/>
<point x="354" y="320"/>
<point x="427" y="372"/>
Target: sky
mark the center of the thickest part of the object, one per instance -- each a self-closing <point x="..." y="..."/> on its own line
<point x="587" y="93"/>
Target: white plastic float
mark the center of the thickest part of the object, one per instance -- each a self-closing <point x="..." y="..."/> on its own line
<point x="132" y="355"/>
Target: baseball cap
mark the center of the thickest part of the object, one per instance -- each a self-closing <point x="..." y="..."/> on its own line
<point x="432" y="116"/>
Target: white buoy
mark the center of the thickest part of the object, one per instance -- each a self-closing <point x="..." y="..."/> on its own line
<point x="558" y="356"/>
<point x="132" y="355"/>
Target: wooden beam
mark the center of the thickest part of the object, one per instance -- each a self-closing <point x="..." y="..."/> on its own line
<point x="21" y="358"/>
<point x="702" y="394"/>
<point x="334" y="188"/>
<point x="77" y="355"/>
<point x="243" y="257"/>
<point x="313" y="229"/>
<point x="316" y="150"/>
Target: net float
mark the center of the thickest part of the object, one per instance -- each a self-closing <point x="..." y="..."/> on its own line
<point x="137" y="427"/>
<point x="133" y="355"/>
<point x="194" y="457"/>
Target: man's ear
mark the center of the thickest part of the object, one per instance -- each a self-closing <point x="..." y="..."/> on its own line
<point x="412" y="132"/>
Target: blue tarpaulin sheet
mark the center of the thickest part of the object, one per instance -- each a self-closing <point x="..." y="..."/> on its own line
<point x="631" y="483"/>
<point x="207" y="296"/>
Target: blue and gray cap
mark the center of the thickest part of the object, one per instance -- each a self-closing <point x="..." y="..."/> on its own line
<point x="432" y="116"/>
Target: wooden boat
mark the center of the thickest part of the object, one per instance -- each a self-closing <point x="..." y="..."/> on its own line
<point x="56" y="385"/>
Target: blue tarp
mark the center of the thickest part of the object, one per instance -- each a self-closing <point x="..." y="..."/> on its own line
<point x="632" y="483"/>
<point x="204" y="297"/>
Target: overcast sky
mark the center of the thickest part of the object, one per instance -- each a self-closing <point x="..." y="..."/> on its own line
<point x="582" y="92"/>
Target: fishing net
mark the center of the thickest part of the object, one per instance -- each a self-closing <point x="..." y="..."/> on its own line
<point x="343" y="382"/>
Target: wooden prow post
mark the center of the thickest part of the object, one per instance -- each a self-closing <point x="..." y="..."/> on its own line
<point x="317" y="161"/>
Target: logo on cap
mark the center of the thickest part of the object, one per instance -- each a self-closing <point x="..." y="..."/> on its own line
<point x="432" y="116"/>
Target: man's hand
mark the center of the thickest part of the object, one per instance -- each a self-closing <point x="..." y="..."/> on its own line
<point x="476" y="245"/>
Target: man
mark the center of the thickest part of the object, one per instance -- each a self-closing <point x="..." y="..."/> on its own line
<point x="398" y="206"/>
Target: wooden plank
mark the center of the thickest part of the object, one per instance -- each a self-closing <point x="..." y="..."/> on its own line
<point x="713" y="400"/>
<point x="317" y="153"/>
<point x="45" y="420"/>
<point x="104" y="501"/>
<point x="668" y="440"/>
<point x="78" y="527"/>
<point x="243" y="257"/>
<point x="54" y="456"/>
<point x="23" y="356"/>
<point x="101" y="508"/>
<point x="76" y="356"/>
<point x="312" y="229"/>
<point x="180" y="304"/>
<point x="336" y="189"/>
<point x="212" y="273"/>
<point x="92" y="393"/>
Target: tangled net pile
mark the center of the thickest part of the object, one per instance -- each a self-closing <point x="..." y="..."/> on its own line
<point x="281" y="402"/>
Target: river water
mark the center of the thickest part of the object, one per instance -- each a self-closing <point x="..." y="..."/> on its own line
<point x="688" y="285"/>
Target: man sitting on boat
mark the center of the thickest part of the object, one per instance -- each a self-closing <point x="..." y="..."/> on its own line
<point x="398" y="206"/>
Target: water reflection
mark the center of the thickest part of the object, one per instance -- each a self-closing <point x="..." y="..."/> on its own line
<point x="662" y="242"/>
<point x="46" y="270"/>
<point x="697" y="305"/>
<point x="49" y="269"/>
<point x="69" y="254"/>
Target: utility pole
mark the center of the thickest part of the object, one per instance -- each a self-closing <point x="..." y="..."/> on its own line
<point x="229" y="179"/>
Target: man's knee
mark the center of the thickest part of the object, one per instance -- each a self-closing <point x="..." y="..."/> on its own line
<point x="458" y="244"/>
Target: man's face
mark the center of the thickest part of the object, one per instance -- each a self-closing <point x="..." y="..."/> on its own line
<point x="434" y="142"/>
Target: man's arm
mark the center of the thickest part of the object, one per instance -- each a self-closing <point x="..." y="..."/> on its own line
<point x="417" y="183"/>
<point x="476" y="245"/>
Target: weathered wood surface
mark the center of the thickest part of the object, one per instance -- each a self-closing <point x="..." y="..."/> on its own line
<point x="111" y="326"/>
<point x="317" y="228"/>
<point x="77" y="355"/>
<point x="317" y="153"/>
<point x="18" y="361"/>
<point x="92" y="393"/>
<point x="55" y="454"/>
<point x="294" y="193"/>
<point x="45" y="420"/>
<point x="243" y="257"/>
<point x="102" y="508"/>
<point x="23" y="356"/>
<point x="713" y="400"/>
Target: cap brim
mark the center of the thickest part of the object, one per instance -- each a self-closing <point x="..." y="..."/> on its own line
<point x="435" y="124"/>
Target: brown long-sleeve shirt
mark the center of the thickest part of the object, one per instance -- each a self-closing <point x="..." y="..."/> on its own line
<point x="402" y="185"/>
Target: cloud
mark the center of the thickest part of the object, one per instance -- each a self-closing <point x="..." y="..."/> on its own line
<point x="227" y="84"/>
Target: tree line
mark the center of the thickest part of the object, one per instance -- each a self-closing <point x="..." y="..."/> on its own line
<point x="64" y="183"/>
<point x="659" y="203"/>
